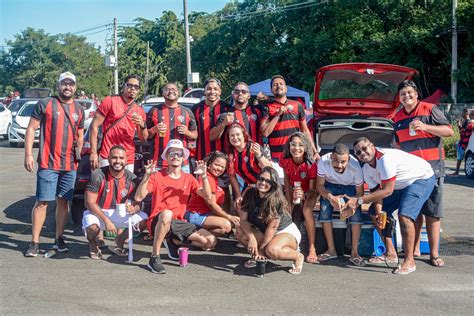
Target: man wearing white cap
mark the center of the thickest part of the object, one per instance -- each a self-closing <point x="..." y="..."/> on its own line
<point x="171" y="189"/>
<point x="61" y="123"/>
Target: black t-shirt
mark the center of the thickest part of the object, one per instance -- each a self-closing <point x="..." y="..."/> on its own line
<point x="285" y="219"/>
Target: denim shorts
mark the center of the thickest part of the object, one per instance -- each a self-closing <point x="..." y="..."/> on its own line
<point x="409" y="200"/>
<point x="51" y="183"/>
<point x="433" y="207"/>
<point x="196" y="218"/>
<point x="460" y="152"/>
<point x="325" y="213"/>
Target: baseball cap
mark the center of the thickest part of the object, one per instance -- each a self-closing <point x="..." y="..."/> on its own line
<point x="67" y="75"/>
<point x="175" y="143"/>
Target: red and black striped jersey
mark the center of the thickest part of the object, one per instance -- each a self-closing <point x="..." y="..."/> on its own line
<point x="249" y="118"/>
<point x="110" y="190"/>
<point x="206" y="118"/>
<point x="287" y="124"/>
<point x="245" y="164"/>
<point x="423" y="144"/>
<point x="466" y="132"/>
<point x="57" y="134"/>
<point x="172" y="117"/>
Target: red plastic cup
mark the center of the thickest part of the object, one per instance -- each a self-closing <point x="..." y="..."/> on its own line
<point x="183" y="256"/>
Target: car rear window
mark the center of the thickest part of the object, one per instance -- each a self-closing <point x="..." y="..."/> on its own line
<point x="27" y="110"/>
<point x="348" y="84"/>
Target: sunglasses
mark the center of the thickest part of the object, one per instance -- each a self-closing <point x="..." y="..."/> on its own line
<point x="268" y="181"/>
<point x="132" y="86"/>
<point x="362" y="149"/>
<point x="175" y="154"/>
<point x="237" y="91"/>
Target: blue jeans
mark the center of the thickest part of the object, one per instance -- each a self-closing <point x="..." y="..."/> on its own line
<point x="409" y="200"/>
<point x="325" y="214"/>
<point x="51" y="183"/>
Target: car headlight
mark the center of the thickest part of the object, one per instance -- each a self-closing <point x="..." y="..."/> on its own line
<point x="16" y="125"/>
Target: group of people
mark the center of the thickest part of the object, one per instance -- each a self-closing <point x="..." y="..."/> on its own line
<point x="198" y="153"/>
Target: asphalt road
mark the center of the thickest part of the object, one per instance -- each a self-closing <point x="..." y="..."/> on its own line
<point x="216" y="282"/>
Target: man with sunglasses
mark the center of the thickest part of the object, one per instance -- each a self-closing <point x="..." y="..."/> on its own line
<point x="419" y="128"/>
<point x="242" y="112"/>
<point x="120" y="116"/>
<point x="398" y="181"/>
<point x="171" y="189"/>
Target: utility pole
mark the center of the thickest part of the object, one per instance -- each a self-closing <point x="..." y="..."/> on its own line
<point x="147" y="78"/>
<point x="454" y="55"/>
<point x="116" y="57"/>
<point x="188" y="49"/>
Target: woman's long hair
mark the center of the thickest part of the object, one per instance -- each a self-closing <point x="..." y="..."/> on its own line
<point x="229" y="149"/>
<point x="308" y="150"/>
<point x="273" y="201"/>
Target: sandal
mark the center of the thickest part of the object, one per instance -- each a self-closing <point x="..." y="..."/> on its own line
<point x="251" y="263"/>
<point x="326" y="256"/>
<point x="299" y="268"/>
<point x="437" y="262"/>
<point x="403" y="271"/>
<point x="357" y="261"/>
<point x="118" y="251"/>
<point x="96" y="255"/>
<point x="312" y="259"/>
<point x="382" y="259"/>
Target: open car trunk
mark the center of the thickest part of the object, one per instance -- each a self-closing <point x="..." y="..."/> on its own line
<point x="334" y="130"/>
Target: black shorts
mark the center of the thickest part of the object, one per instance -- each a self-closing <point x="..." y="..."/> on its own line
<point x="224" y="180"/>
<point x="180" y="230"/>
<point x="433" y="207"/>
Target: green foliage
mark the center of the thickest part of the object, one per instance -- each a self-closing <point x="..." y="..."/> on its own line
<point x="449" y="143"/>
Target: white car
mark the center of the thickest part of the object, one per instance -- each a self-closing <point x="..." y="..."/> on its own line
<point x="89" y="107"/>
<point x="197" y="93"/>
<point x="186" y="102"/>
<point x="16" y="134"/>
<point x="469" y="158"/>
<point x="5" y="121"/>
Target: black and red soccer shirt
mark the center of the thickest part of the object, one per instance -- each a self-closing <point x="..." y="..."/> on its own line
<point x="245" y="164"/>
<point x="249" y="118"/>
<point x="57" y="134"/>
<point x="206" y="118"/>
<point x="110" y="190"/>
<point x="172" y="117"/>
<point x="287" y="124"/>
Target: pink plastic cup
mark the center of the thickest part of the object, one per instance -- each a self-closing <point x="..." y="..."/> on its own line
<point x="183" y="256"/>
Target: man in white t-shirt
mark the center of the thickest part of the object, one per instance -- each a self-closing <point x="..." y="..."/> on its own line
<point x="339" y="176"/>
<point x="398" y="180"/>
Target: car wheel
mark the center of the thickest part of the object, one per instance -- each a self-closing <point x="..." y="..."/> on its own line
<point x="469" y="165"/>
<point x="5" y="136"/>
<point x="77" y="210"/>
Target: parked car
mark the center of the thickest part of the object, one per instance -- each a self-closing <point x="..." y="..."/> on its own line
<point x="5" y="121"/>
<point x="356" y="99"/>
<point x="17" y="131"/>
<point x="197" y="93"/>
<point x="16" y="105"/>
<point x="469" y="158"/>
<point x="184" y="101"/>
<point x="89" y="107"/>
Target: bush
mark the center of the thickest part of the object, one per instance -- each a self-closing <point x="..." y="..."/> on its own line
<point x="450" y="143"/>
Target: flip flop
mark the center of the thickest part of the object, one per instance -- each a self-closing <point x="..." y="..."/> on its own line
<point x="118" y="251"/>
<point x="403" y="271"/>
<point x="312" y="259"/>
<point x="251" y="263"/>
<point x="357" y="261"/>
<point x="326" y="256"/>
<point x="437" y="262"/>
<point x="296" y="269"/>
<point x="382" y="259"/>
<point x="96" y="255"/>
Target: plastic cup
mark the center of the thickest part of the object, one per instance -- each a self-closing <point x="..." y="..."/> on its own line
<point x="122" y="209"/>
<point x="183" y="256"/>
<point x="260" y="268"/>
<point x="162" y="133"/>
<point x="297" y="200"/>
<point x="342" y="203"/>
<point x="383" y="219"/>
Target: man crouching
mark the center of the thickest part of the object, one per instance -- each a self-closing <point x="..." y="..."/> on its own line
<point x="171" y="189"/>
<point x="107" y="203"/>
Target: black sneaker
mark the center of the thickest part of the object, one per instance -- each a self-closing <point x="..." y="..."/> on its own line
<point x="172" y="249"/>
<point x="60" y="245"/>
<point x="156" y="266"/>
<point x="33" y="250"/>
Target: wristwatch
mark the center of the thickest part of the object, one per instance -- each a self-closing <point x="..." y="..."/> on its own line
<point x="360" y="200"/>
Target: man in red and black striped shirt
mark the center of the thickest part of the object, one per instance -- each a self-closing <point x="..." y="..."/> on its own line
<point x="207" y="113"/>
<point x="419" y="128"/>
<point x="61" y="123"/>
<point x="242" y="113"/>
<point x="282" y="117"/>
<point x="170" y="121"/>
<point x="108" y="187"/>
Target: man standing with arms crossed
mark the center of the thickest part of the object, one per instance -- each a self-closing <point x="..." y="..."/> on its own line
<point x="61" y="123"/>
<point x="419" y="128"/>
<point x="120" y="116"/>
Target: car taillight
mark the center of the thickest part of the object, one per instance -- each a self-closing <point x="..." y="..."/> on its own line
<point x="91" y="114"/>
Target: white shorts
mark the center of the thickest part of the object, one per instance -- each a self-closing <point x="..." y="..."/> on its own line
<point x="104" y="163"/>
<point x="293" y="230"/>
<point x="120" y="222"/>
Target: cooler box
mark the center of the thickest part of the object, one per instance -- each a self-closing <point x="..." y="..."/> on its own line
<point x="339" y="232"/>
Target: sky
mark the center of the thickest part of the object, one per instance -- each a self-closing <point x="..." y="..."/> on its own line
<point x="75" y="16"/>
